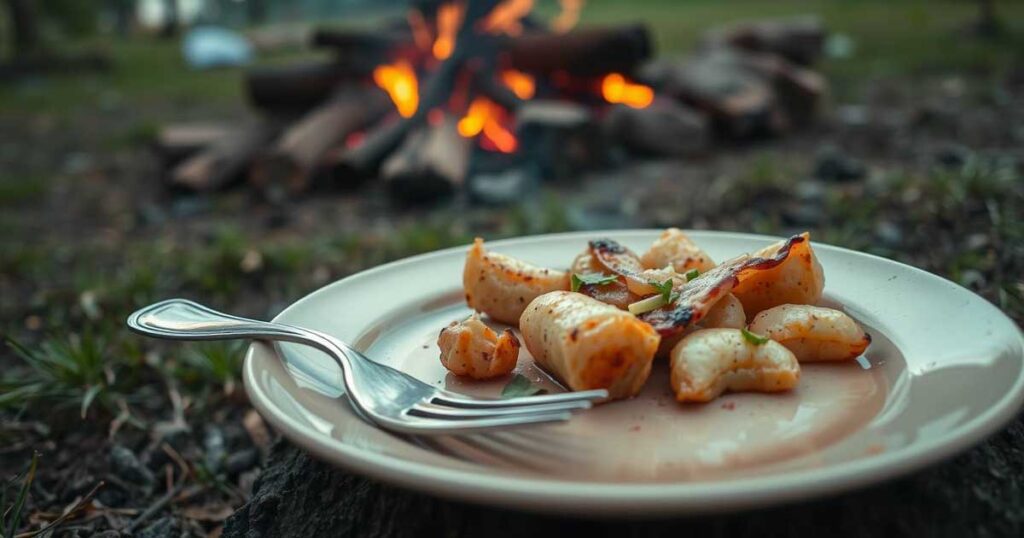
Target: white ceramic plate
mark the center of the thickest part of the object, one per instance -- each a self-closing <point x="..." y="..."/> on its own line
<point x="943" y="371"/>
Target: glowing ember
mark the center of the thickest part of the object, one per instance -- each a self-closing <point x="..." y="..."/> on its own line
<point x="566" y="19"/>
<point x="506" y="16"/>
<point x="616" y="89"/>
<point x="473" y="122"/>
<point x="449" y="17"/>
<point x="503" y="140"/>
<point x="520" y="83"/>
<point x="399" y="80"/>
<point x="486" y="117"/>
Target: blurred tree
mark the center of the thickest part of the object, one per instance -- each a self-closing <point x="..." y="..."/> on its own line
<point x="76" y="18"/>
<point x="256" y="11"/>
<point x="25" y="40"/>
<point x="171" y="19"/>
<point x="988" y="22"/>
<point x="124" y="15"/>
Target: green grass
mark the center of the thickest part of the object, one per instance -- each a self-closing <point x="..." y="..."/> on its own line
<point x="16" y="190"/>
<point x="11" y="511"/>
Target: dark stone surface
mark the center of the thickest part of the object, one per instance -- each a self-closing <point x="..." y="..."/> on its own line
<point x="978" y="493"/>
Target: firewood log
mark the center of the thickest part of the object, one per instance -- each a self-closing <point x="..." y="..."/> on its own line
<point x="287" y="168"/>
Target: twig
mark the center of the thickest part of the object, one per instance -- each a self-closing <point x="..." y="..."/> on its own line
<point x="74" y="508"/>
<point x="153" y="509"/>
<point x="174" y="455"/>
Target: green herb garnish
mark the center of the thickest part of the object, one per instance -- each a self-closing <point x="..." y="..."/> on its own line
<point x="591" y="279"/>
<point x="692" y="274"/>
<point x="754" y="338"/>
<point x="665" y="289"/>
<point x="520" y="386"/>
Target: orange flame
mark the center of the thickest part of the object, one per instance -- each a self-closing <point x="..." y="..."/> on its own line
<point x="566" y="19"/>
<point x="506" y="17"/>
<point x="520" y="83"/>
<point x="473" y="122"/>
<point x="399" y="80"/>
<point x="485" y="117"/>
<point x="616" y="89"/>
<point x="501" y="137"/>
<point x="449" y="17"/>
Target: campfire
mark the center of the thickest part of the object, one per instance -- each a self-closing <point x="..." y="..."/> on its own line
<point x="460" y="89"/>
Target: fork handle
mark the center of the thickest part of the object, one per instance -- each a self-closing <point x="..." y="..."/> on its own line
<point x="181" y="319"/>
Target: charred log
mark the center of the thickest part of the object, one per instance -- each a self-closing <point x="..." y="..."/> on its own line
<point x="585" y="52"/>
<point x="287" y="168"/>
<point x="301" y="86"/>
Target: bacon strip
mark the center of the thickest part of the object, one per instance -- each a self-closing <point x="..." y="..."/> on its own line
<point x="622" y="261"/>
<point x="699" y="295"/>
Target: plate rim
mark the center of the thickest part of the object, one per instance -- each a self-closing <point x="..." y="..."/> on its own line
<point x="597" y="499"/>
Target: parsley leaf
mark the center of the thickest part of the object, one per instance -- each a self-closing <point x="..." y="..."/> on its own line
<point x="520" y="386"/>
<point x="754" y="338"/>
<point x="692" y="274"/>
<point x="591" y="279"/>
<point x="665" y="289"/>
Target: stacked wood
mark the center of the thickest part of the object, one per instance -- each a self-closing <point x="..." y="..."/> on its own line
<point x="290" y="164"/>
<point x="430" y="163"/>
<point x="225" y="161"/>
<point x="174" y="143"/>
<point x="746" y="80"/>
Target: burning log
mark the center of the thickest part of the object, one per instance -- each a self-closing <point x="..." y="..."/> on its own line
<point x="288" y="167"/>
<point x="798" y="39"/>
<point x="665" y="129"/>
<point x="431" y="163"/>
<point x="583" y="53"/>
<point x="365" y="159"/>
<point x="300" y="86"/>
<point x="224" y="161"/>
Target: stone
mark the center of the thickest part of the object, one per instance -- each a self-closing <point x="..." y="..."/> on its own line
<point x="740" y="100"/>
<point x="666" y="128"/>
<point x="165" y="527"/>
<point x="799" y="39"/>
<point x="831" y="164"/>
<point x="127" y="466"/>
<point x="241" y="461"/>
<point x="500" y="188"/>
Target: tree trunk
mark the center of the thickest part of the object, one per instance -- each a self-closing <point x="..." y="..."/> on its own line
<point x="256" y="10"/>
<point x="987" y="24"/>
<point x="24" y="28"/>
<point x="124" y="16"/>
<point x="170" y="27"/>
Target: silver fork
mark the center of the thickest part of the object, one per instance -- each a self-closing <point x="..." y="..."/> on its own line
<point x="382" y="395"/>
